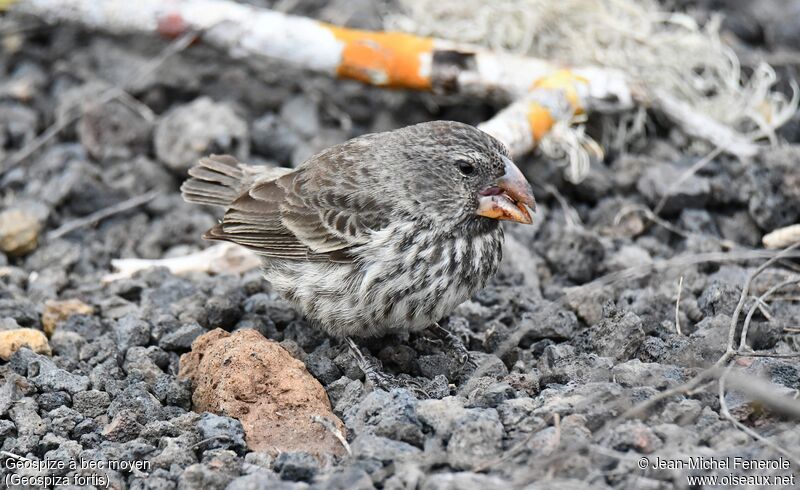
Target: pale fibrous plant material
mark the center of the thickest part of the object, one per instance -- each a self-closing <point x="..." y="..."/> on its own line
<point x="666" y="53"/>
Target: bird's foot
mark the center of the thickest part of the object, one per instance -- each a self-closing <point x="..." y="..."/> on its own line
<point x="379" y="379"/>
<point x="455" y="345"/>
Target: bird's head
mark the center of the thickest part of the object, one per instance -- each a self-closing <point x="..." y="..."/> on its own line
<point x="455" y="173"/>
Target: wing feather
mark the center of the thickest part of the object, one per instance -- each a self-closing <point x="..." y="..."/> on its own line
<point x="302" y="215"/>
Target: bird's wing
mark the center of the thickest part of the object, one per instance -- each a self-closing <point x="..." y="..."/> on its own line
<point x="308" y="214"/>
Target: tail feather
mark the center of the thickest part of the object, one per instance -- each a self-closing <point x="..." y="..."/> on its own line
<point x="214" y="233"/>
<point x="219" y="179"/>
<point x="215" y="180"/>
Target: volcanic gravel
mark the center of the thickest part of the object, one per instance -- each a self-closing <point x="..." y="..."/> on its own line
<point x="561" y="350"/>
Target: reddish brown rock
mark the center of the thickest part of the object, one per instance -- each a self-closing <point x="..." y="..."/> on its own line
<point x="57" y="311"/>
<point x="245" y="376"/>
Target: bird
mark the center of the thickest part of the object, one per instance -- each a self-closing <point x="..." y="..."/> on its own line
<point x="387" y="232"/>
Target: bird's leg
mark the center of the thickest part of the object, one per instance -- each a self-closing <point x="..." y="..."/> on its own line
<point x="452" y="341"/>
<point x="378" y="378"/>
<point x="370" y="369"/>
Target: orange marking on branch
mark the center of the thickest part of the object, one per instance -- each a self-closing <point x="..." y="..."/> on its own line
<point x="563" y="80"/>
<point x="171" y="25"/>
<point x="540" y="120"/>
<point x="387" y="59"/>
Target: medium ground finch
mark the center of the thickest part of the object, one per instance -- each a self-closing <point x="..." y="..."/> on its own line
<point x="384" y="233"/>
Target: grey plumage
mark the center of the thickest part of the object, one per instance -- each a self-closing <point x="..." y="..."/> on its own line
<point x="377" y="234"/>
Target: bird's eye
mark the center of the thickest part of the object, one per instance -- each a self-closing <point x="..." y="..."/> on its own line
<point x="466" y="168"/>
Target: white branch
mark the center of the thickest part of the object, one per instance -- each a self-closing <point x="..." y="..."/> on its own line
<point x="387" y="59"/>
<point x="390" y="59"/>
<point x="703" y="127"/>
<point x="782" y="237"/>
<point x="224" y="257"/>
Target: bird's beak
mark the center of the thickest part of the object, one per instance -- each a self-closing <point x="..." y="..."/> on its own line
<point x="509" y="198"/>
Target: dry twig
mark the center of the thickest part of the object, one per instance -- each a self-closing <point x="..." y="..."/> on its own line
<point x="571" y="215"/>
<point x="104" y="97"/>
<point x="518" y="447"/>
<point x="649" y="214"/>
<point x="725" y="412"/>
<point x="759" y="301"/>
<point x="688" y="173"/>
<point x="681" y="261"/>
<point x="678" y="308"/>
<point x="715" y="370"/>
<point x="102" y="214"/>
<point x="745" y="291"/>
<point x="330" y="427"/>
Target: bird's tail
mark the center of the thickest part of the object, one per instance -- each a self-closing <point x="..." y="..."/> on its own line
<point x="215" y="180"/>
<point x="219" y="179"/>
